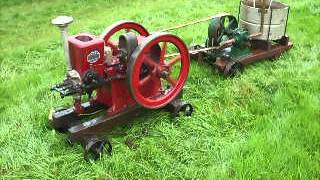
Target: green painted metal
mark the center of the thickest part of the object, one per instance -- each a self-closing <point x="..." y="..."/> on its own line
<point x="218" y="27"/>
<point x="238" y="54"/>
<point x="222" y="29"/>
<point x="241" y="37"/>
<point x="240" y="49"/>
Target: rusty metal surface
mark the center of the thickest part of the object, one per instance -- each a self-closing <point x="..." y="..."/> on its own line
<point x="261" y="50"/>
<point x="102" y="125"/>
<point x="91" y="134"/>
<point x="259" y="54"/>
<point x="64" y="118"/>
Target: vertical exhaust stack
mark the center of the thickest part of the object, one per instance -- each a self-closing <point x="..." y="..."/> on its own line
<point x="62" y="23"/>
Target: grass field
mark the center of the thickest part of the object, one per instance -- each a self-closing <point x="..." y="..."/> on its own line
<point x="264" y="124"/>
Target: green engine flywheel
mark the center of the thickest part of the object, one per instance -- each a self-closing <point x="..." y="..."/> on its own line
<point x="219" y="28"/>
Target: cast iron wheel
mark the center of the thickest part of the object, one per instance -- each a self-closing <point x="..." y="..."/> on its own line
<point x="94" y="148"/>
<point x="166" y="74"/>
<point x="233" y="68"/>
<point x="185" y="109"/>
<point x="127" y="26"/>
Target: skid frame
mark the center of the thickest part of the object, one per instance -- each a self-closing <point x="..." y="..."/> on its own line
<point x="260" y="50"/>
<point x="91" y="134"/>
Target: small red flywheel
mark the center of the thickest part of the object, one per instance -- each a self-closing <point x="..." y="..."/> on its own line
<point x="124" y="25"/>
<point x="155" y="76"/>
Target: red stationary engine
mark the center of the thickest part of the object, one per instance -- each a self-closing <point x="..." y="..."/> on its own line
<point x="127" y="68"/>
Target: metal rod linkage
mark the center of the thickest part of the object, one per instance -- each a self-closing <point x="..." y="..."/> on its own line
<point x="222" y="46"/>
<point x="193" y="22"/>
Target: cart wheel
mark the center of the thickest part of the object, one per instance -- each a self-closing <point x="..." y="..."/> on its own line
<point x="186" y="109"/>
<point x="94" y="148"/>
<point x="233" y="68"/>
<point x="155" y="78"/>
<point x="178" y="107"/>
<point x="126" y="26"/>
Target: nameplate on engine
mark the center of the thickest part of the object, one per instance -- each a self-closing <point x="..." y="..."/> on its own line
<point x="93" y="56"/>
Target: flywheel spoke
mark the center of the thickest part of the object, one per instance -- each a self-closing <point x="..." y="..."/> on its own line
<point x="159" y="84"/>
<point x="145" y="80"/>
<point x="148" y="78"/>
<point x="163" y="52"/>
<point x="171" y="81"/>
<point x="174" y="60"/>
<point x="148" y="61"/>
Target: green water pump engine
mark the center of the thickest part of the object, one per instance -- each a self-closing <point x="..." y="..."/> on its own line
<point x="230" y="48"/>
<point x="224" y="30"/>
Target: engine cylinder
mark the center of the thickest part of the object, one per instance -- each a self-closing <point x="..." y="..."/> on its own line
<point x="86" y="52"/>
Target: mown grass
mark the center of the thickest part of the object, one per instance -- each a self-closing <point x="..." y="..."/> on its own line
<point x="263" y="124"/>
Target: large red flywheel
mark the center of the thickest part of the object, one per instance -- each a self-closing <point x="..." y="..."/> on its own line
<point x="156" y="78"/>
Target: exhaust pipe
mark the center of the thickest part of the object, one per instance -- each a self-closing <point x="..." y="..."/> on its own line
<point x="62" y="23"/>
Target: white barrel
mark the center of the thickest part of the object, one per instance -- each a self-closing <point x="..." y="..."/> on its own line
<point x="275" y="19"/>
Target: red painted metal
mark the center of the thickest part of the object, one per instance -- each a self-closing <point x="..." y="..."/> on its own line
<point x="80" y="46"/>
<point x="118" y="26"/>
<point x="115" y="94"/>
<point x="149" y="91"/>
<point x="123" y="84"/>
